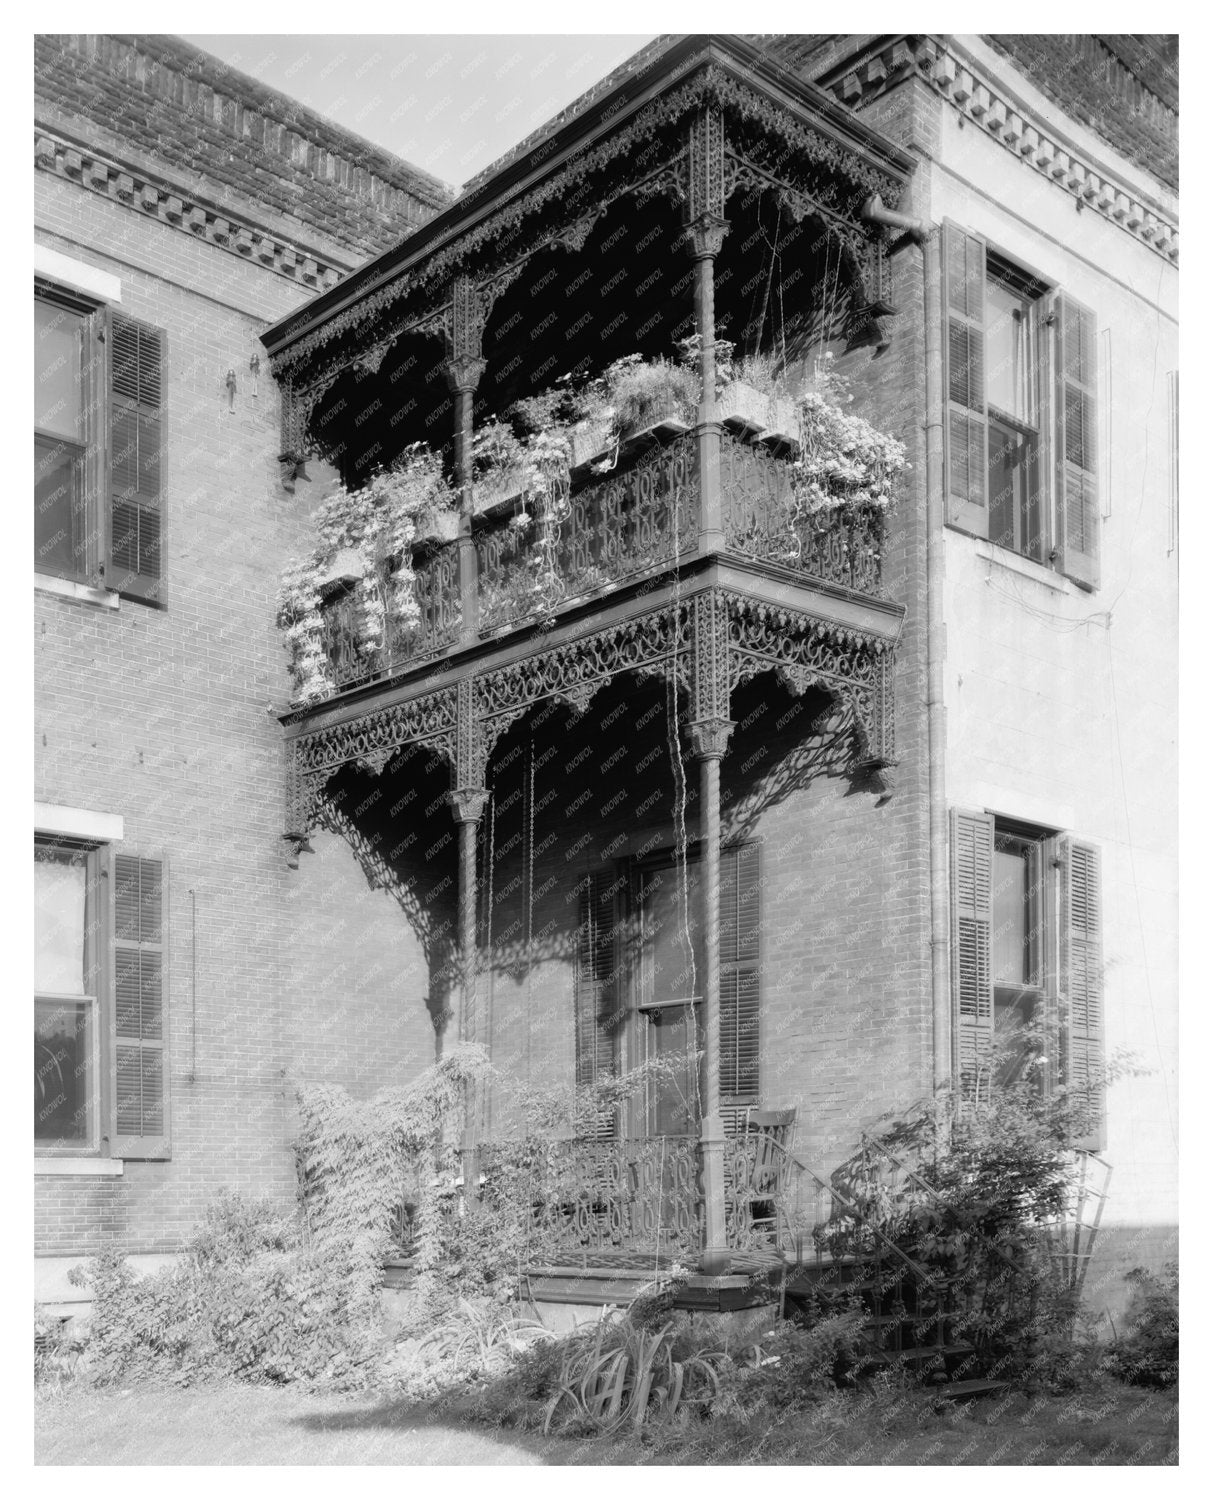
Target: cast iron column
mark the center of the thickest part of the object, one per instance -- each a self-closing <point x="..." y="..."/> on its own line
<point x="705" y="229"/>
<point x="709" y="742"/>
<point x="463" y="328"/>
<point x="711" y="729"/>
<point x="467" y="802"/>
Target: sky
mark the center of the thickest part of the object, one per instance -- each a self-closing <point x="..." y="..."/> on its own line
<point x="448" y="104"/>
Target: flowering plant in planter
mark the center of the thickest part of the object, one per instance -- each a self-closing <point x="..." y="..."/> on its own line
<point x="844" y="461"/>
<point x="642" y="392"/>
<point x="500" y="467"/>
<point x="368" y="533"/>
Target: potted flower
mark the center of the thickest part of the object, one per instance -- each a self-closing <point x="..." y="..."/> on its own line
<point x="500" y="470"/>
<point x="650" y="396"/>
<point x="844" y="462"/>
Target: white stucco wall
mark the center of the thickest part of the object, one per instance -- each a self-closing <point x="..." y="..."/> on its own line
<point x="1061" y="703"/>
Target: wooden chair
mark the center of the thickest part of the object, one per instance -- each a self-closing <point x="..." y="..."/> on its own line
<point x="762" y="1195"/>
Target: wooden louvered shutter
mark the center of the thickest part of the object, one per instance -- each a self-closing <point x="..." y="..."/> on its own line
<point x="972" y="982"/>
<point x="139" y="1029"/>
<point x="964" y="303"/>
<point x="1074" y="410"/>
<point x="740" y="1032"/>
<point x="1082" y="981"/>
<point x="594" y="1002"/>
<point x="137" y="368"/>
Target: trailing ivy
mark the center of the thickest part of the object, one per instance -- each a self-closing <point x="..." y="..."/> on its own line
<point x="375" y="527"/>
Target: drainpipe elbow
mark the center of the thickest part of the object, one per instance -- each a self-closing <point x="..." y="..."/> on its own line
<point x="874" y="212"/>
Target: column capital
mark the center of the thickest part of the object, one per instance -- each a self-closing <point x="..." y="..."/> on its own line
<point x="704" y="236"/>
<point x="463" y="372"/>
<point x="710" y="738"/>
<point x="467" y="803"/>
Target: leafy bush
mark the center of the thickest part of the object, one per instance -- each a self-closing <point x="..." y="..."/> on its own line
<point x="623" y="1374"/>
<point x="57" y="1348"/>
<point x="475" y="1341"/>
<point x="1147" y="1353"/>
<point x="248" y="1303"/>
<point x="975" y="1193"/>
<point x="795" y="1365"/>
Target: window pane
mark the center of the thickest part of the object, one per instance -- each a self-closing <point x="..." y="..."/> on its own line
<point x="672" y="923"/>
<point x="58" y="500"/>
<point x="1008" y="353"/>
<point x="60" y="902"/>
<point x="674" y="1039"/>
<point x="1014" y="490"/>
<point x="58" y="407"/>
<point x="65" y="1102"/>
<point x="1018" y="1053"/>
<point x="1010" y="936"/>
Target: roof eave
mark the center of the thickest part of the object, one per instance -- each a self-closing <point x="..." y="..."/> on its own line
<point x="679" y="61"/>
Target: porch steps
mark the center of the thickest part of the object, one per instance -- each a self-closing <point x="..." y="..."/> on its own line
<point x="967" y="1390"/>
<point x="600" y="1286"/>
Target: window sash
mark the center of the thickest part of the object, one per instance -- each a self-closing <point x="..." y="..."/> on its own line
<point x="68" y="1059"/>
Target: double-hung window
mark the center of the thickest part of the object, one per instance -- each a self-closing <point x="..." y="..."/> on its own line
<point x="100" y="1033"/>
<point x="665" y="977"/>
<point x="1020" y="382"/>
<point x="98" y="445"/>
<point x="1027" y="971"/>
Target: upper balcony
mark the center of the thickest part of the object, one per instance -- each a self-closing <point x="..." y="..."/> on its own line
<point x="623" y="527"/>
<point x="703" y="198"/>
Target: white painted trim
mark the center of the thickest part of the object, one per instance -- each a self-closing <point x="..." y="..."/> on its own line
<point x="1026" y="567"/>
<point x="60" y="268"/>
<point x="77" y="823"/>
<point x="47" y="583"/>
<point x="1005" y="801"/>
<point x="76" y="1166"/>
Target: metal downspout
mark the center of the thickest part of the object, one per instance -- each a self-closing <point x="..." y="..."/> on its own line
<point x="941" y="994"/>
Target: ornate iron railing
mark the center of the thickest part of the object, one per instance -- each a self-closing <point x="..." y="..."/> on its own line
<point x="603" y="534"/>
<point x="436" y="589"/>
<point x="592" y="1199"/>
<point x="612" y="529"/>
<point x="761" y="520"/>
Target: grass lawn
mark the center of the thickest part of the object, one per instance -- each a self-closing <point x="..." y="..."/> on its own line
<point x="244" y="1424"/>
<point x="238" y="1424"/>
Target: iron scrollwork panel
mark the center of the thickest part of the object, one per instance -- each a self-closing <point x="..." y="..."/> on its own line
<point x="762" y="519"/>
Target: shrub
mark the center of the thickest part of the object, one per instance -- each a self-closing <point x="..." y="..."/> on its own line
<point x="1147" y="1353"/>
<point x="975" y="1193"/>
<point x="57" y="1348"/>
<point x="243" y="1301"/>
<point x="794" y="1365"/>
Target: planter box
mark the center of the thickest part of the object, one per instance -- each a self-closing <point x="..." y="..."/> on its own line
<point x="438" y="526"/>
<point x="499" y="491"/>
<point x="666" y="421"/>
<point x="784" y="424"/>
<point x="590" y="440"/>
<point x="744" y="407"/>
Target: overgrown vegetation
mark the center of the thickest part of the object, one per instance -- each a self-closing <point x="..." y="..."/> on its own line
<point x="1146" y="1352"/>
<point x="969" y="1193"/>
<point x="980" y="1191"/>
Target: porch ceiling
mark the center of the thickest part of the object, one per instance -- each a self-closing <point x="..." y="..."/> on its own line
<point x="555" y="183"/>
<point x="711" y="622"/>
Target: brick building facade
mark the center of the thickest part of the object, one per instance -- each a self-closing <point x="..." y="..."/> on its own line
<point x="175" y="193"/>
<point x="214" y="210"/>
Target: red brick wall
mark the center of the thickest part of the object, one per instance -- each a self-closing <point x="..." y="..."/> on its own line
<point x="168" y="718"/>
<point x="1098" y="80"/>
<point x="195" y="114"/>
<point x="846" y="1017"/>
